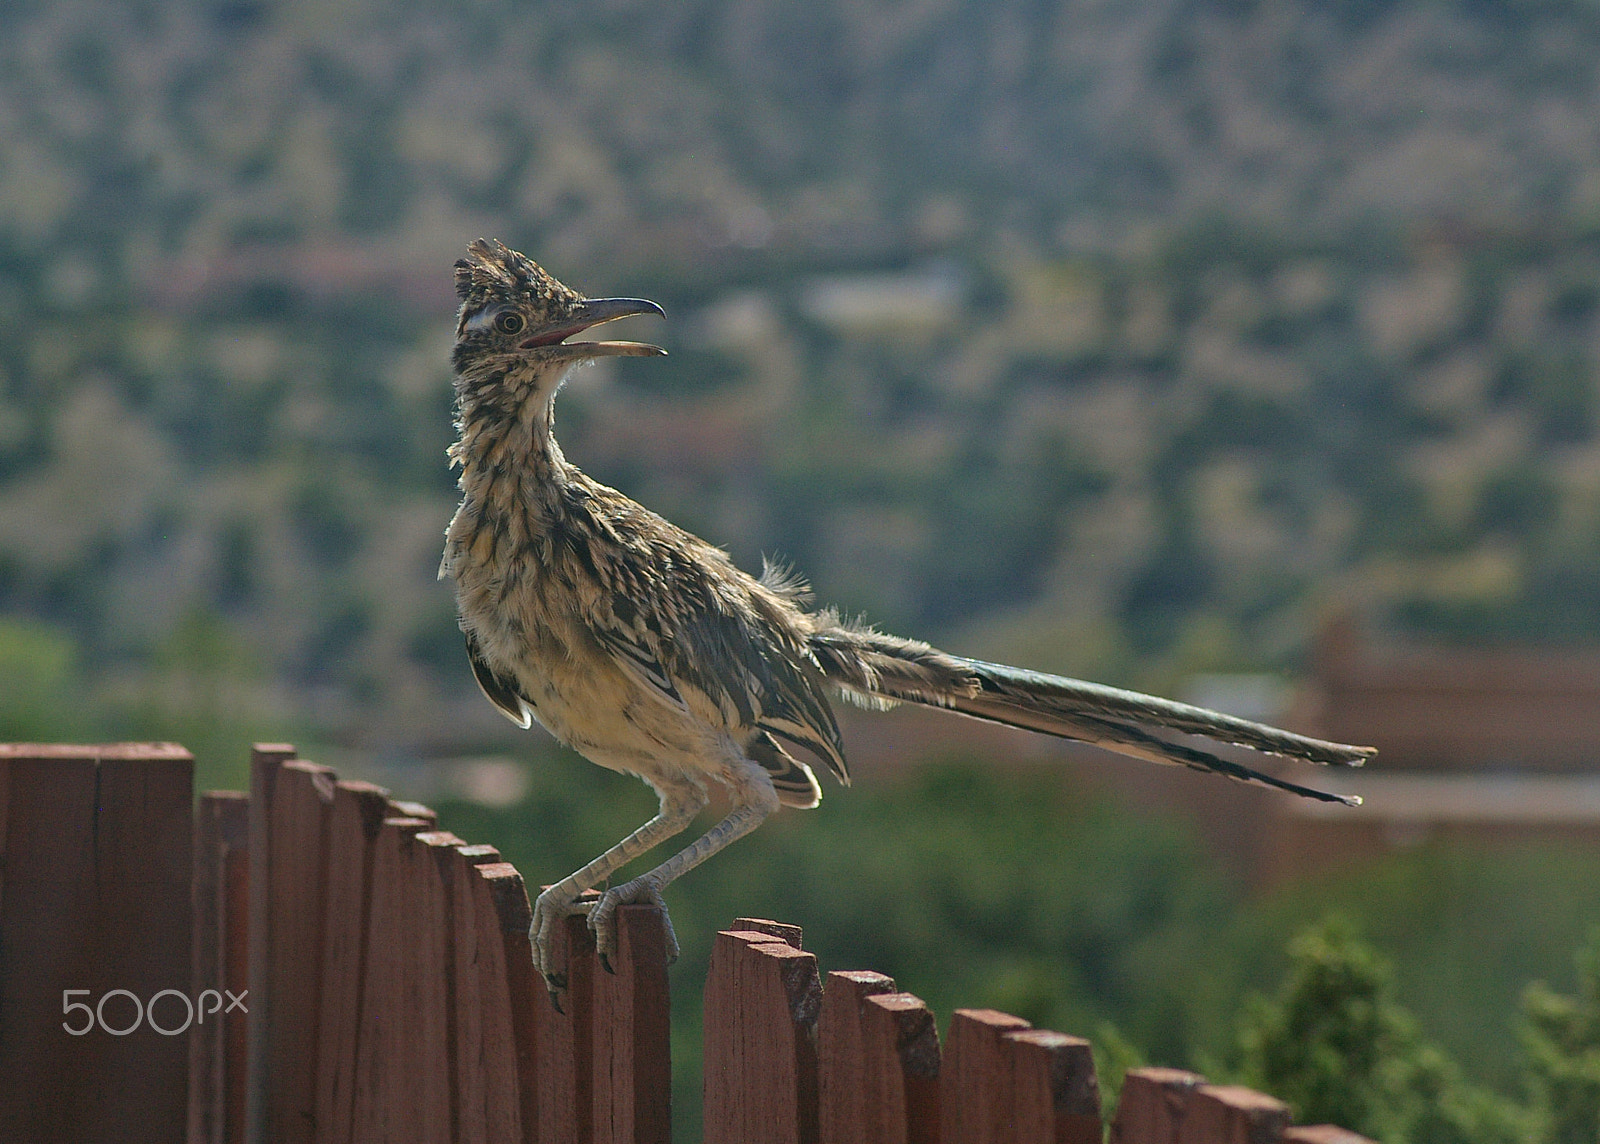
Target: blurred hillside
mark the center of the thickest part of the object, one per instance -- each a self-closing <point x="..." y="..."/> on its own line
<point x="1118" y="338"/>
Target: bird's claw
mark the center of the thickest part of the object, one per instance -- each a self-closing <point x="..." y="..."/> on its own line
<point x="643" y="890"/>
<point x="555" y="905"/>
<point x="549" y="910"/>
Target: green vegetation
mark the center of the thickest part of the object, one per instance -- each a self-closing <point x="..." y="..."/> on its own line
<point x="1562" y="1039"/>
<point x="39" y="666"/>
<point x="1339" y="1049"/>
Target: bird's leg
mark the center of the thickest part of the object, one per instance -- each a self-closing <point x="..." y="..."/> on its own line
<point x="679" y="805"/>
<point x="754" y="800"/>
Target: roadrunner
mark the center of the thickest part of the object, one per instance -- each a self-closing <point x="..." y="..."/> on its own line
<point x="648" y="651"/>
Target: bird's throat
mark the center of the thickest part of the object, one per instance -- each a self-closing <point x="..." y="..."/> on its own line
<point x="511" y="466"/>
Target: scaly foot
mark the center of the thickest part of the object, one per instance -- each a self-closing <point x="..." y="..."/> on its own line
<point x="643" y="890"/>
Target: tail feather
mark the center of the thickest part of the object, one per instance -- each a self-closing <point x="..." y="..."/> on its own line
<point x="879" y="669"/>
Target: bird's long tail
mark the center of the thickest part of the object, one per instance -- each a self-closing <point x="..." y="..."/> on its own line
<point x="879" y="669"/>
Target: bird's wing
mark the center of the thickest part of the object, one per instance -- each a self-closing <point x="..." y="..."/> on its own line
<point x="729" y="654"/>
<point x="502" y="692"/>
<point x="697" y="623"/>
<point x="639" y="660"/>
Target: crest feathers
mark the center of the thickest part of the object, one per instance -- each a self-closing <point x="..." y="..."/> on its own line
<point x="493" y="268"/>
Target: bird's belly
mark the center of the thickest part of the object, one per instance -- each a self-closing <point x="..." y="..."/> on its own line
<point x="527" y="624"/>
<point x="585" y="700"/>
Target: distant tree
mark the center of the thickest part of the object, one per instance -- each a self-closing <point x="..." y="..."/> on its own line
<point x="39" y="664"/>
<point x="1561" y="1036"/>
<point x="1339" y="1049"/>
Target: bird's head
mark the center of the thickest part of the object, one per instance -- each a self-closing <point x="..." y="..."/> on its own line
<point x="515" y="317"/>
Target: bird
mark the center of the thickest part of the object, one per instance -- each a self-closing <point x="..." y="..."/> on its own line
<point x="648" y="651"/>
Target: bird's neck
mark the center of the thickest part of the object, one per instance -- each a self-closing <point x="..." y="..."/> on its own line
<point x="511" y="467"/>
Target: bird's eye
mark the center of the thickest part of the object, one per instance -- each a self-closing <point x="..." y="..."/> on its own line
<point x="509" y="323"/>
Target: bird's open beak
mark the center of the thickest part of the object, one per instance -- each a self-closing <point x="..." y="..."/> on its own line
<point x="592" y="312"/>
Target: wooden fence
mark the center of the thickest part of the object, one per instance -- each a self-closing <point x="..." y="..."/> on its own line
<point x="317" y="962"/>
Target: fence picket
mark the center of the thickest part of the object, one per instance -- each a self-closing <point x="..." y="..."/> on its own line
<point x="516" y="1001"/>
<point x="206" y="1062"/>
<point x="761" y="1008"/>
<point x="632" y="1073"/>
<point x="1152" y="1105"/>
<point x="266" y="760"/>
<point x="356" y="817"/>
<point x="236" y="1019"/>
<point x="975" y="1080"/>
<point x="474" y="972"/>
<point x="781" y="931"/>
<point x="96" y="873"/>
<point x="1231" y="1114"/>
<point x="221" y="963"/>
<point x="1322" y="1134"/>
<point x="297" y="838"/>
<point x="451" y="926"/>
<point x="842" y="1073"/>
<point x="390" y="1103"/>
<point x="432" y="985"/>
<point x="566" y="1048"/>
<point x="1054" y="1090"/>
<point x="50" y="933"/>
<point x="901" y="1059"/>
<point x="405" y="808"/>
